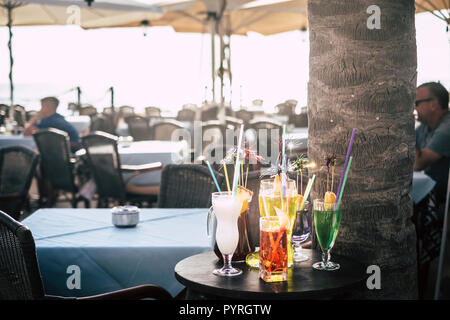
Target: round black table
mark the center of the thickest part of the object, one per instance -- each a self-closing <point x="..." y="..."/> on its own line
<point x="303" y="282"/>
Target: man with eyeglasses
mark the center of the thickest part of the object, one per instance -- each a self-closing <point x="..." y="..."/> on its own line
<point x="433" y="135"/>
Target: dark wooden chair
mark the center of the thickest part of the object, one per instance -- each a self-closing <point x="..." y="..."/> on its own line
<point x="163" y="130"/>
<point x="17" y="168"/>
<point x="187" y="186"/>
<point x="20" y="278"/>
<point x="139" y="127"/>
<point x="58" y="166"/>
<point x="104" y="163"/>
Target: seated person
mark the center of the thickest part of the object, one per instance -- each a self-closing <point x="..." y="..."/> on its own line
<point x="432" y="152"/>
<point x="49" y="118"/>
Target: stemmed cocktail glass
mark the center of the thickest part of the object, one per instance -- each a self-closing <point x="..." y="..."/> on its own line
<point x="227" y="208"/>
<point x="327" y="220"/>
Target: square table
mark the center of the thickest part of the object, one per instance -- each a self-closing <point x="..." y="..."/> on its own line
<point x="111" y="258"/>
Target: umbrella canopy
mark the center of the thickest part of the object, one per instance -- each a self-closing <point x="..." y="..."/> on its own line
<point x="57" y="12"/>
<point x="62" y="12"/>
<point x="238" y="16"/>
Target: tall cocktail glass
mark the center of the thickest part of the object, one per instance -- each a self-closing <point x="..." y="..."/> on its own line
<point x="273" y="258"/>
<point x="227" y="208"/>
<point x="273" y="202"/>
<point x="327" y="221"/>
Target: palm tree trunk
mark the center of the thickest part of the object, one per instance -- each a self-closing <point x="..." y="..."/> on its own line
<point x="366" y="79"/>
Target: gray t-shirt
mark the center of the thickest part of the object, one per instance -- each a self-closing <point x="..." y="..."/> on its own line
<point x="437" y="140"/>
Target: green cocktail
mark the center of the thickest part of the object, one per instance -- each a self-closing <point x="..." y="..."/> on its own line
<point x="326" y="223"/>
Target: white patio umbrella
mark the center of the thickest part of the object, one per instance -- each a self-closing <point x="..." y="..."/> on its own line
<point x="63" y="12"/>
<point x="222" y="17"/>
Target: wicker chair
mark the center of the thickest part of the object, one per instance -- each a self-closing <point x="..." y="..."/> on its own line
<point x="17" y="168"/>
<point x="139" y="127"/>
<point x="57" y="166"/>
<point x="20" y="278"/>
<point x="163" y="130"/>
<point x="104" y="163"/>
<point x="187" y="186"/>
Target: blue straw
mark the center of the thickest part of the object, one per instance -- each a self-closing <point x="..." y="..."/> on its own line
<point x="213" y="176"/>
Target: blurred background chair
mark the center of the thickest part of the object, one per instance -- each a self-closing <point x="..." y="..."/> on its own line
<point x="17" y="168"/>
<point x="57" y="167"/>
<point x="103" y="122"/>
<point x="125" y="111"/>
<point x="209" y="113"/>
<point x="20" y="116"/>
<point x="30" y="114"/>
<point x="88" y="110"/>
<point x="244" y="115"/>
<point x="20" y="277"/>
<point x="299" y="120"/>
<point x="234" y="122"/>
<point x="163" y="130"/>
<point x="186" y="115"/>
<point x="187" y="186"/>
<point x="152" y="112"/>
<point x="285" y="109"/>
<point x="104" y="162"/>
<point x="139" y="127"/>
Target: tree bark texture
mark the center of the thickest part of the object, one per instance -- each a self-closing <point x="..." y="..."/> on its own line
<point x="366" y="79"/>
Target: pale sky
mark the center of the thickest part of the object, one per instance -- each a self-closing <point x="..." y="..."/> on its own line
<point x="168" y="69"/>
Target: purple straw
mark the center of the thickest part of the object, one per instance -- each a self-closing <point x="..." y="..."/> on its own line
<point x="345" y="166"/>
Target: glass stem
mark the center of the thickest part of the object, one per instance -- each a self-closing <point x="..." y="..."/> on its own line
<point x="227" y="260"/>
<point x="326" y="257"/>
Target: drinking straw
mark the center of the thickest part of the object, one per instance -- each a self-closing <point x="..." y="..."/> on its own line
<point x="226" y="175"/>
<point x="213" y="176"/>
<point x="236" y="166"/>
<point x="307" y="191"/>
<point x="345" y="166"/>
<point x="283" y="167"/>
<point x="338" y="203"/>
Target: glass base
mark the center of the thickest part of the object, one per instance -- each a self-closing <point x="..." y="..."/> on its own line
<point x="329" y="266"/>
<point x="300" y="257"/>
<point x="227" y="272"/>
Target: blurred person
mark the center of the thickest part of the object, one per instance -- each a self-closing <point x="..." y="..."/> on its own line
<point x="432" y="153"/>
<point x="47" y="117"/>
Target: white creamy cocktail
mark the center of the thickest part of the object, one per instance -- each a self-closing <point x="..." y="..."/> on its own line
<point x="227" y="209"/>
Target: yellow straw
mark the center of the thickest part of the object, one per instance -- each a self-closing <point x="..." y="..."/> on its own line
<point x="308" y="189"/>
<point x="226" y="176"/>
